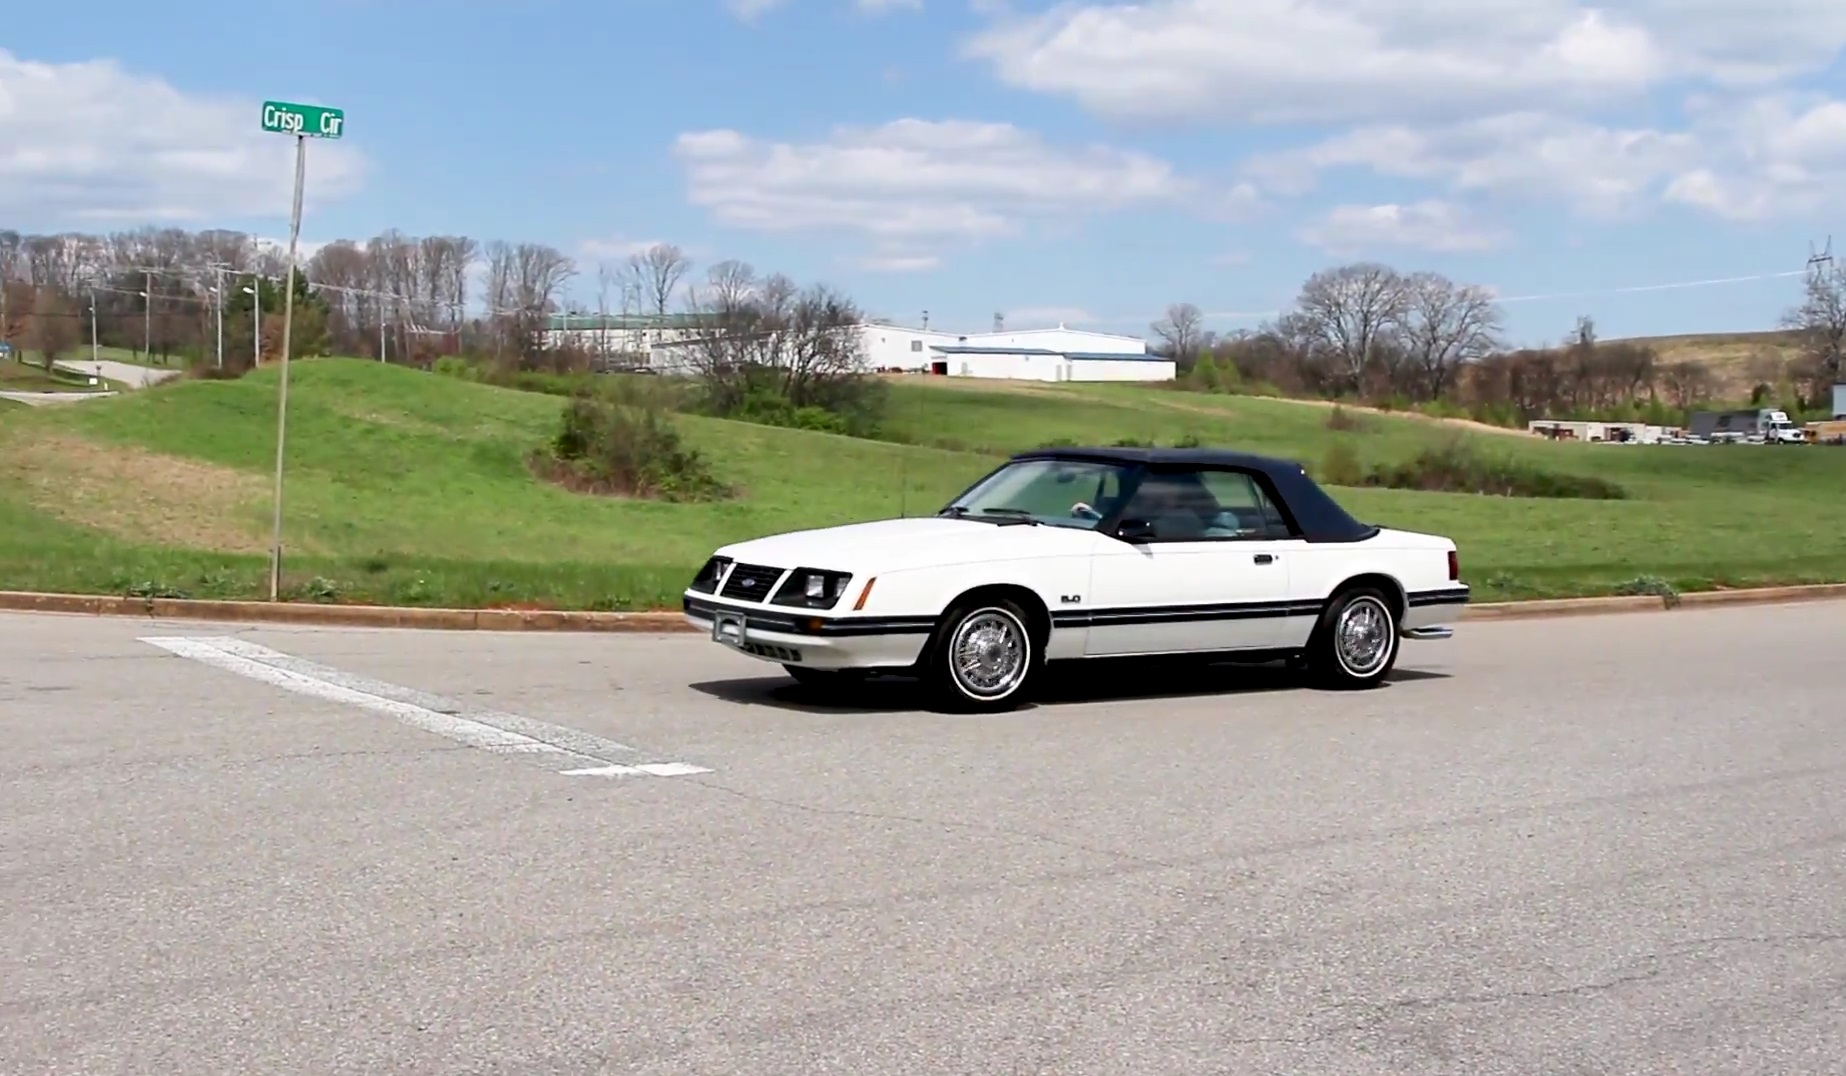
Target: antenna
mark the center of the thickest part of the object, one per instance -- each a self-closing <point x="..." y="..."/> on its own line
<point x="999" y="321"/>
<point x="926" y="319"/>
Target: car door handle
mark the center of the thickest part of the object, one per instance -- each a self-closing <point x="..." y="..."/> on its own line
<point x="1265" y="558"/>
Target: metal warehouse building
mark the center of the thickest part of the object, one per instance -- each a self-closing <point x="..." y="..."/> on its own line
<point x="1060" y="354"/>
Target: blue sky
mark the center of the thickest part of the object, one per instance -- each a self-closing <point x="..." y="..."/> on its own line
<point x="1085" y="161"/>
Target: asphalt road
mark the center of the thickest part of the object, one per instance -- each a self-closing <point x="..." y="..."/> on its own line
<point x="1578" y="846"/>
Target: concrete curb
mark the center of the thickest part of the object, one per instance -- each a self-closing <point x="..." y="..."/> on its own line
<point x="382" y="616"/>
<point x="1645" y="603"/>
<point x="346" y="616"/>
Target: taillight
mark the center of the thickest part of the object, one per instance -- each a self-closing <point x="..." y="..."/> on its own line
<point x="1454" y="565"/>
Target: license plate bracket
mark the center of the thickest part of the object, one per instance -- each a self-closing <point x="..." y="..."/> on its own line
<point x="729" y="629"/>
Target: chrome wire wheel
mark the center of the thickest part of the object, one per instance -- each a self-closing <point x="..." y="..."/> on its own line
<point x="1362" y="636"/>
<point x="989" y="654"/>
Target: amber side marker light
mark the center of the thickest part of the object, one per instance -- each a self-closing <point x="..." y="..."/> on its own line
<point x="864" y="594"/>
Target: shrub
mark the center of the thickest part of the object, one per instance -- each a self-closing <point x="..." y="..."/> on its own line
<point x="1350" y="421"/>
<point x="1340" y="466"/>
<point x="603" y="447"/>
<point x="1458" y="466"/>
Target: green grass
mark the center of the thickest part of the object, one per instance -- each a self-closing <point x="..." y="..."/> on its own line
<point x="16" y="376"/>
<point x="408" y="488"/>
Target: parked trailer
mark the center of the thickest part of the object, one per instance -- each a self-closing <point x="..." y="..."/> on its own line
<point x="1769" y="424"/>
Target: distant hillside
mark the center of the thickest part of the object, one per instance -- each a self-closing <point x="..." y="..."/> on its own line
<point x="1739" y="361"/>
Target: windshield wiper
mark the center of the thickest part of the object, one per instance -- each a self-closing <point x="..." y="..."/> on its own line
<point x="1011" y="515"/>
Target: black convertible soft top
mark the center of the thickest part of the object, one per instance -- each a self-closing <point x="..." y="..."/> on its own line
<point x="1317" y="516"/>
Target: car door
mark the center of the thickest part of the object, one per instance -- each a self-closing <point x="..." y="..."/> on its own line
<point x="1211" y="576"/>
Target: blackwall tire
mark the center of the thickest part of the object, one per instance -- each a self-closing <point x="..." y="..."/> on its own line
<point x="1356" y="643"/>
<point x="983" y="657"/>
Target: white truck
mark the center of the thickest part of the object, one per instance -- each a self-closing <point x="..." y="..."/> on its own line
<point x="1770" y="425"/>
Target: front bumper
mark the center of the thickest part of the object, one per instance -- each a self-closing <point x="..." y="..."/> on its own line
<point x="797" y="637"/>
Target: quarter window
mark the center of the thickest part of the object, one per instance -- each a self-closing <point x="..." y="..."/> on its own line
<point x="1205" y="505"/>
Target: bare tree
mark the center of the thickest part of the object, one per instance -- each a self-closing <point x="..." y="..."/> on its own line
<point x="52" y="330"/>
<point x="1182" y="333"/>
<point x="1443" y="326"/>
<point x="1350" y="313"/>
<point x="752" y="339"/>
<point x="1687" y="384"/>
<point x="657" y="272"/>
<point x="1820" y="325"/>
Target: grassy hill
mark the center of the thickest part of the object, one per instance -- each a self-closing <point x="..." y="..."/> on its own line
<point x="411" y="488"/>
<point x="1738" y="361"/>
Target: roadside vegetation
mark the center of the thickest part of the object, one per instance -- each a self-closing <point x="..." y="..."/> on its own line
<point x="477" y="466"/>
<point x="412" y="489"/>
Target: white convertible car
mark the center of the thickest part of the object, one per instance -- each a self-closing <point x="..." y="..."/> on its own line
<point x="1074" y="553"/>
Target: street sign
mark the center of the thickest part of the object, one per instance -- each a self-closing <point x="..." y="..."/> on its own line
<point x="304" y="122"/>
<point x="307" y="121"/>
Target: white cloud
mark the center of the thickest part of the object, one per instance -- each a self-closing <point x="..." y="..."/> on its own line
<point x="1356" y="60"/>
<point x="1600" y="169"/>
<point x="1428" y="225"/>
<point x="881" y="7"/>
<point x="1765" y="157"/>
<point x="615" y="249"/>
<point x="913" y="186"/>
<point x="751" y="10"/>
<point x="91" y="142"/>
<point x="1773" y="156"/>
<point x="900" y="263"/>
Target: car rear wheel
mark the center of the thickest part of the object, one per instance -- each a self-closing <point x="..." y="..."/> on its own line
<point x="1355" y="644"/>
<point x="983" y="657"/>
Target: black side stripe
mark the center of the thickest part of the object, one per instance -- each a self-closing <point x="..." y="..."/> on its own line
<point x="1184" y="614"/>
<point x="859" y="627"/>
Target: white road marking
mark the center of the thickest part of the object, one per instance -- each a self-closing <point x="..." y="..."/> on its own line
<point x="500" y="733"/>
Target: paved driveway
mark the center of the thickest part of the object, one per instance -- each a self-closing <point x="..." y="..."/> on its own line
<point x="1611" y="845"/>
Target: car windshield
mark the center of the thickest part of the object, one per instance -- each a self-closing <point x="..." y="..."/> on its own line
<point x="1061" y="493"/>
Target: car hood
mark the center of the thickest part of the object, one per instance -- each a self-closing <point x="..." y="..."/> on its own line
<point x="895" y="544"/>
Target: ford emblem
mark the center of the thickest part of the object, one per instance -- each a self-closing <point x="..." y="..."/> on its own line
<point x="749" y="582"/>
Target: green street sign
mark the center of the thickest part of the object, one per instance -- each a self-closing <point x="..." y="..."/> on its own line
<point x="311" y="121"/>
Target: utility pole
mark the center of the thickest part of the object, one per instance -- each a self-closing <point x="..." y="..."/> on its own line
<point x="147" y="316"/>
<point x="95" y="350"/>
<point x="218" y="291"/>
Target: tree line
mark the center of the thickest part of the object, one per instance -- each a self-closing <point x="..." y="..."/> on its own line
<point x="1370" y="332"/>
<point x="164" y="292"/>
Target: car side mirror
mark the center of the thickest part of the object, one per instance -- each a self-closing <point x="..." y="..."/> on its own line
<point x="1135" y="530"/>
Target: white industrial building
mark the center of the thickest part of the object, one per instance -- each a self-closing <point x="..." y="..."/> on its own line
<point x="618" y="334"/>
<point x="1059" y="354"/>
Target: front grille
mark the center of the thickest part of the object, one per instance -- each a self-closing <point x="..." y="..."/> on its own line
<point x="750" y="582"/>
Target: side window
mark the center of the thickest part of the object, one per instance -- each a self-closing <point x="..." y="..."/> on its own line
<point x="1177" y="503"/>
<point x="1243" y="509"/>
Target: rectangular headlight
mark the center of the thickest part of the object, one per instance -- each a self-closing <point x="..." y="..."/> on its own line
<point x="812" y="588"/>
<point x="707" y="580"/>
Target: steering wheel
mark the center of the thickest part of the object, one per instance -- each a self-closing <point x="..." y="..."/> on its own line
<point x="1081" y="510"/>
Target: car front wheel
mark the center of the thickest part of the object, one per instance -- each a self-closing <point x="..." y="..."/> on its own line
<point x="983" y="657"/>
<point x="1355" y="644"/>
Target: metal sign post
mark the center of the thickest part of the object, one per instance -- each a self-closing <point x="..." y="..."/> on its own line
<point x="304" y="122"/>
